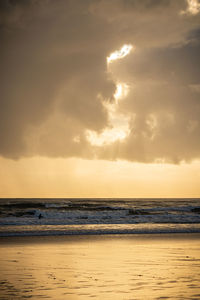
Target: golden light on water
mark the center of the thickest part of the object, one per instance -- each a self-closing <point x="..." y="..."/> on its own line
<point x="126" y="267"/>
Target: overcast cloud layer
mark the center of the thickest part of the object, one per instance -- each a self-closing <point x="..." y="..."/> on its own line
<point x="54" y="78"/>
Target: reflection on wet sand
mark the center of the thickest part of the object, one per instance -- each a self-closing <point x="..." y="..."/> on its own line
<point x="101" y="267"/>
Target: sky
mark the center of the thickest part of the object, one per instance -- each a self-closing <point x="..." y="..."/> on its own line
<point x="100" y="98"/>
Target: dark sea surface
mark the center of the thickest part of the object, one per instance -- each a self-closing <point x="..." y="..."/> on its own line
<point x="66" y="216"/>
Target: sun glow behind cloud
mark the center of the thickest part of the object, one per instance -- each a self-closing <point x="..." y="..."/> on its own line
<point x="118" y="54"/>
<point x="193" y="7"/>
<point x="108" y="136"/>
<point x="119" y="123"/>
<point x="121" y="91"/>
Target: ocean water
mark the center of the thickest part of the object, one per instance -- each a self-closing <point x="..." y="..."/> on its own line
<point x="98" y="216"/>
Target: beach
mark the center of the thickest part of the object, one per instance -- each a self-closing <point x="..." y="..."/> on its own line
<point x="151" y="266"/>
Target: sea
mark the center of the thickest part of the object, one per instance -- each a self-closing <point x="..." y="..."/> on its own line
<point x="86" y="216"/>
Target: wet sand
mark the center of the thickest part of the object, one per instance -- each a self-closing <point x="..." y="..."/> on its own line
<point x="101" y="267"/>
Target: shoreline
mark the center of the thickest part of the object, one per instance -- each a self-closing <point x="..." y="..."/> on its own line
<point x="98" y="229"/>
<point x="90" y="237"/>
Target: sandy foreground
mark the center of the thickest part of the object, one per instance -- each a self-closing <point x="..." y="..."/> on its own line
<point x="101" y="267"/>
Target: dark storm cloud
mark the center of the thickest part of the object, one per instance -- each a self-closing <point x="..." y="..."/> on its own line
<point x="48" y="47"/>
<point x="53" y="77"/>
<point x="163" y="104"/>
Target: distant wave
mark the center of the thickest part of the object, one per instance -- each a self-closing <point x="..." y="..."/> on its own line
<point x="116" y="215"/>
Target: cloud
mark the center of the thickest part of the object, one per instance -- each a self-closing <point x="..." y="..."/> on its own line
<point x="55" y="82"/>
<point x="163" y="105"/>
<point x="52" y="60"/>
<point x="193" y="7"/>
